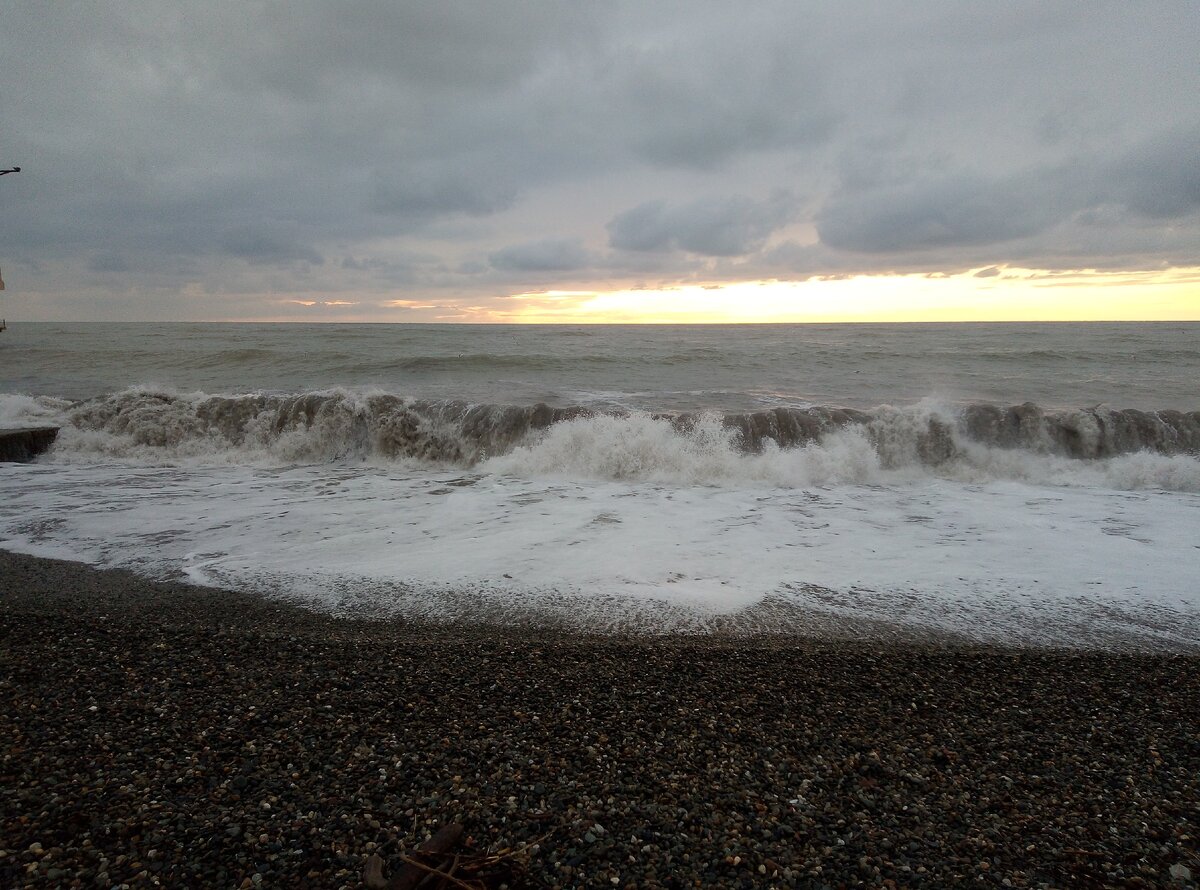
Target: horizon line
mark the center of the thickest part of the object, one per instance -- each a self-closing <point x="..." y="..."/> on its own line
<point x="600" y="324"/>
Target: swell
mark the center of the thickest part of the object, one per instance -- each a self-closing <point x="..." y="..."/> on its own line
<point x="936" y="435"/>
<point x="339" y="424"/>
<point x="485" y="361"/>
<point x="330" y="425"/>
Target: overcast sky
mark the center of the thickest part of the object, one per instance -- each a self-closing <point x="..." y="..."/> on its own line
<point x="410" y="161"/>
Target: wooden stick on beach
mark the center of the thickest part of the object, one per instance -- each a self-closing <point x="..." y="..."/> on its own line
<point x="435" y="849"/>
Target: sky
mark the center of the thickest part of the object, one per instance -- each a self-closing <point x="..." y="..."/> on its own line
<point x="600" y="161"/>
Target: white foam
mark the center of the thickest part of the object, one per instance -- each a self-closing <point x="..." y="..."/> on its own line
<point x="17" y="409"/>
<point x="1000" y="560"/>
<point x="647" y="449"/>
<point x="621" y="520"/>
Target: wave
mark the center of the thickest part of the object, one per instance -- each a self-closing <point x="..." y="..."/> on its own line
<point x="801" y="445"/>
<point x="491" y="361"/>
<point x="890" y="448"/>
<point x="487" y="361"/>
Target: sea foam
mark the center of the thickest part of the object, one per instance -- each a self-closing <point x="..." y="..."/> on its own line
<point x="370" y="503"/>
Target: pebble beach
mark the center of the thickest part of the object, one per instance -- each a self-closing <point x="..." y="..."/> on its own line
<point x="160" y="734"/>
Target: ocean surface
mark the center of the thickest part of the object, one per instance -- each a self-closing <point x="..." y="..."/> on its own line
<point x="1007" y="482"/>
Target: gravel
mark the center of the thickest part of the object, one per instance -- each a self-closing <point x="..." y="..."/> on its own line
<point x="157" y="734"/>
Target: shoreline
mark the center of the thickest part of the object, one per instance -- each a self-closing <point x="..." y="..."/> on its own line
<point x="46" y="584"/>
<point x="154" y="736"/>
<point x="39" y="582"/>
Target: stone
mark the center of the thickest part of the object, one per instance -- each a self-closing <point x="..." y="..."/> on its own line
<point x="24" y="444"/>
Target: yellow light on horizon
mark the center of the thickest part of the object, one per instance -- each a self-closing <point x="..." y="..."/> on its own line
<point x="1004" y="295"/>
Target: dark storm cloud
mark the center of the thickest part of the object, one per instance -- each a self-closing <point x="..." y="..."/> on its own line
<point x="232" y="148"/>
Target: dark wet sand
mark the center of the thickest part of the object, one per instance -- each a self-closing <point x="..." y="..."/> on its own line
<point x="156" y="733"/>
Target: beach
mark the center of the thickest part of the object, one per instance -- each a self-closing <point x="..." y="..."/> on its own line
<point x="599" y="445"/>
<point x="156" y="733"/>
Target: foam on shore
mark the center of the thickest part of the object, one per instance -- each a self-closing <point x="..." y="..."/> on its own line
<point x="995" y="561"/>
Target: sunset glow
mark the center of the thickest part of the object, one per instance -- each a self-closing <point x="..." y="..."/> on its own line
<point x="979" y="295"/>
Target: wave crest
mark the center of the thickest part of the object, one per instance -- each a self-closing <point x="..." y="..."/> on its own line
<point x="813" y="445"/>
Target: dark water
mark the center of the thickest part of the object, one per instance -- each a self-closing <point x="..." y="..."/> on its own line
<point x="726" y="368"/>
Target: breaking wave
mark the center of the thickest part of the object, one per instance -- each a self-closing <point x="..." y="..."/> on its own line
<point x="812" y="445"/>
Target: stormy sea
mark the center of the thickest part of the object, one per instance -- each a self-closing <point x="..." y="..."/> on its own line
<point x="1017" y="483"/>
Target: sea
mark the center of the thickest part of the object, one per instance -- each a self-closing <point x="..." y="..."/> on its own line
<point x="1030" y="484"/>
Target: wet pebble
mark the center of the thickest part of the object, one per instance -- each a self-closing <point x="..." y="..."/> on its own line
<point x="245" y="744"/>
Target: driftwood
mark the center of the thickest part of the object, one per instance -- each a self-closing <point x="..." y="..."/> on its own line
<point x="436" y="865"/>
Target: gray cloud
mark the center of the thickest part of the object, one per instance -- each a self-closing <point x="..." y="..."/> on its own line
<point x="644" y="227"/>
<point x="415" y="198"/>
<point x="108" y="262"/>
<point x="229" y="149"/>
<point x="542" y="256"/>
<point x="1158" y="179"/>
<point x="711" y="227"/>
<point x="952" y="211"/>
<point x="260" y="246"/>
<point x="744" y="96"/>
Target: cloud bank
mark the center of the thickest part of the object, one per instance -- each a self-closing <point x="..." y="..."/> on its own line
<point x="216" y="161"/>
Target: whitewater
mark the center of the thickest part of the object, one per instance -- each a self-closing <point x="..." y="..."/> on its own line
<point x="1003" y="483"/>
